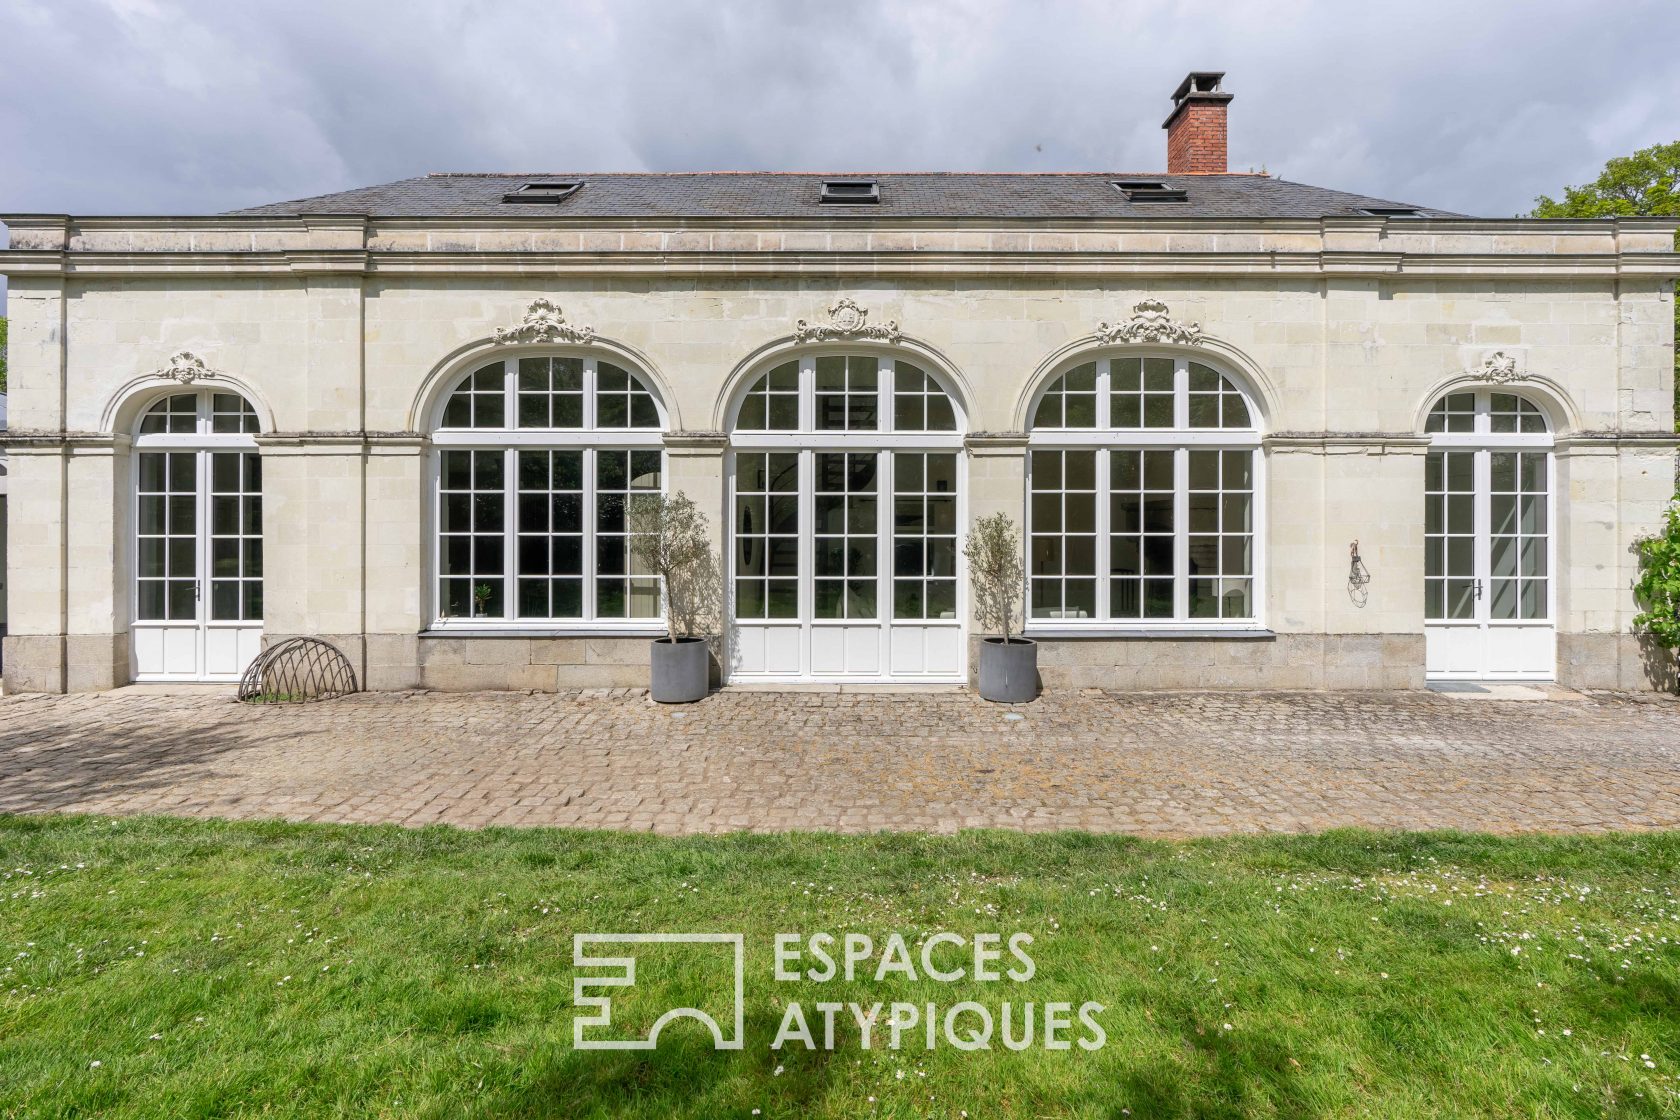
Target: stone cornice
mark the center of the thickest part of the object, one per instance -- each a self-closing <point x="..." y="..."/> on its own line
<point x="29" y="262"/>
<point x="982" y="442"/>
<point x="279" y="440"/>
<point x="526" y="221"/>
<point x="1398" y="441"/>
<point x="1605" y="438"/>
<point x="696" y="441"/>
<point x="27" y="442"/>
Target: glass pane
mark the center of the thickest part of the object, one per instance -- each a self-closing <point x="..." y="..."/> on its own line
<point x="183" y="600"/>
<point x="150" y="607"/>
<point x="1461" y="598"/>
<point x="1503" y="601"/>
<point x="224" y="600"/>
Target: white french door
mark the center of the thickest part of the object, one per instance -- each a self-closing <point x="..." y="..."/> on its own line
<point x="1489" y="590"/>
<point x="198" y="563"/>
<point x="845" y="564"/>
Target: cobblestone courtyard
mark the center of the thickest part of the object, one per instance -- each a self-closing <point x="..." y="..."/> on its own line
<point x="1165" y="764"/>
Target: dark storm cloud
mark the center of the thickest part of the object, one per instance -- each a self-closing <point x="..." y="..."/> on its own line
<point x="143" y="106"/>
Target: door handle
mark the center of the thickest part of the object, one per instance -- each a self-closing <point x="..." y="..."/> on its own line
<point x="1478" y="589"/>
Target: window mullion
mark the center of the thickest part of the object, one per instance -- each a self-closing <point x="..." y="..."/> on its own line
<point x="807" y="394"/>
<point x="884" y="396"/>
<point x="805" y="596"/>
<point x="201" y="566"/>
<point x="1104" y="500"/>
<point x="1181" y="535"/>
<point x="886" y="501"/>
<point x="1482" y="549"/>
<point x="437" y="533"/>
<point x="510" y="533"/>
<point x="1105" y="408"/>
<point x="590" y="518"/>
<point x="510" y="394"/>
<point x="590" y="382"/>
<point x="1181" y="394"/>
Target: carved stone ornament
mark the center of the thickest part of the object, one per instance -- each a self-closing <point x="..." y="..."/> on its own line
<point x="1150" y="323"/>
<point x="544" y="322"/>
<point x="845" y="320"/>
<point x="1500" y="368"/>
<point x="186" y="367"/>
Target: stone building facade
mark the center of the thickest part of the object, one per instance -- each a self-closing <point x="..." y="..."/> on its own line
<point x="1257" y="434"/>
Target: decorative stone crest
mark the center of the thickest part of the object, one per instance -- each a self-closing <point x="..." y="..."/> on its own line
<point x="186" y="367"/>
<point x="845" y="320"/>
<point x="1149" y="323"/>
<point x="1499" y="368"/>
<point x="544" y="322"/>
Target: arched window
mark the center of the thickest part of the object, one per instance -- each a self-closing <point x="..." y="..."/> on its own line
<point x="537" y="457"/>
<point x="1488" y="544"/>
<point x="1143" y="478"/>
<point x="845" y="522"/>
<point x="198" y="543"/>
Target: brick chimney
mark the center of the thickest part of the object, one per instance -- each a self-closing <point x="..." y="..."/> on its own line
<point x="1196" y="126"/>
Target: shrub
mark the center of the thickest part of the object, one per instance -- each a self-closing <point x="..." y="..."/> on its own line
<point x="1658" y="585"/>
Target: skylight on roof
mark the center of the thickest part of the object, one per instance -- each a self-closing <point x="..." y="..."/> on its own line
<point x="1141" y="190"/>
<point x="556" y="190"/>
<point x="853" y="192"/>
<point x="1391" y="212"/>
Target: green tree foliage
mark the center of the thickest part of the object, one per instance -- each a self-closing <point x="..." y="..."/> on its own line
<point x="1647" y="182"/>
<point x="2" y="355"/>
<point x="1658" y="586"/>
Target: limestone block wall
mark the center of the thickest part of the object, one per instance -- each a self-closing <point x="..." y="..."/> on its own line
<point x="344" y="333"/>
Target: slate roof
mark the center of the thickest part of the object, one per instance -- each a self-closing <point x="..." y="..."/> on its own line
<point x="795" y="195"/>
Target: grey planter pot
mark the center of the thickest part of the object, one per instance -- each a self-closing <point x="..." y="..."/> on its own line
<point x="1008" y="671"/>
<point x="682" y="670"/>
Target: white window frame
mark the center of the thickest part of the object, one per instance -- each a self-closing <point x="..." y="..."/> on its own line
<point x="510" y="440"/>
<point x="807" y="441"/>
<point x="1182" y="438"/>
<point x="1482" y="441"/>
<point x="202" y="442"/>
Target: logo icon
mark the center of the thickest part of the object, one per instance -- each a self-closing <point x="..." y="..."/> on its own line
<point x="620" y="972"/>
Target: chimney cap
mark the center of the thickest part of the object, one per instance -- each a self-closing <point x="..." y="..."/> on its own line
<point x="1199" y="81"/>
<point x="1198" y="85"/>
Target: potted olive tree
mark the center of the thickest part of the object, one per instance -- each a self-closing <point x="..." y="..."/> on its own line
<point x="670" y="538"/>
<point x="1008" y="663"/>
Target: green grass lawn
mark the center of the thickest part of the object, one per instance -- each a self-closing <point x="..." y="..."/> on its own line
<point x="176" y="969"/>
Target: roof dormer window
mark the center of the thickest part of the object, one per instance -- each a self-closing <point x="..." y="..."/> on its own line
<point x="555" y="190"/>
<point x="851" y="192"/>
<point x="1137" y="190"/>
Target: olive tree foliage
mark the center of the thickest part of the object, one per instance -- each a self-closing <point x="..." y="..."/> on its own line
<point x="669" y="537"/>
<point x="2" y="355"/>
<point x="1647" y="182"/>
<point x="996" y="574"/>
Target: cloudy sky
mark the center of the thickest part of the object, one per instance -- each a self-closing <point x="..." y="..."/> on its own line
<point x="190" y="106"/>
